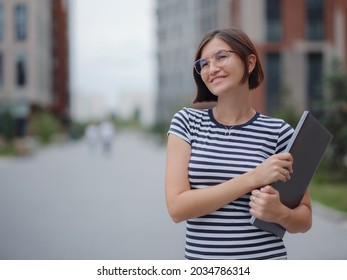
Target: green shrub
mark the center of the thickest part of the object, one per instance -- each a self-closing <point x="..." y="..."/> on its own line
<point x="335" y="117"/>
<point x="289" y="115"/>
<point x="44" y="127"/>
<point x="77" y="130"/>
<point x="7" y="125"/>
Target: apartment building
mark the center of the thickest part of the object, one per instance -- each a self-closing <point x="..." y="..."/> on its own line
<point x="296" y="41"/>
<point x="180" y="26"/>
<point x="60" y="53"/>
<point x="33" y="55"/>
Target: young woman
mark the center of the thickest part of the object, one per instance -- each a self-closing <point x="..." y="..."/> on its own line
<point x="222" y="161"/>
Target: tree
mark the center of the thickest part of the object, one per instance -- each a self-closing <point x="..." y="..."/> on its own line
<point x="335" y="116"/>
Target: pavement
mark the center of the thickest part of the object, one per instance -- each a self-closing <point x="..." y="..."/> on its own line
<point x="326" y="240"/>
<point x="72" y="201"/>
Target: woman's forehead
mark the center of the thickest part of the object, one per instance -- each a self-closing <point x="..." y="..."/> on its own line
<point x="213" y="46"/>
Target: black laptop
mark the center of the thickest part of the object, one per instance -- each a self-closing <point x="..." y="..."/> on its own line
<point x="307" y="145"/>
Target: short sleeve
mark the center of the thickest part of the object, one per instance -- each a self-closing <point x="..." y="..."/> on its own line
<point x="284" y="135"/>
<point x="180" y="125"/>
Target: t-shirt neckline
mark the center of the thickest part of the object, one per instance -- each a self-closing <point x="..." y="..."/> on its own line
<point x="210" y="113"/>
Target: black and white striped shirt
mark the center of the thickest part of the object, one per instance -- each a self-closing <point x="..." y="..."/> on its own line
<point x="217" y="156"/>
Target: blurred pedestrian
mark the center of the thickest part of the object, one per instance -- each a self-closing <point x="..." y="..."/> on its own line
<point x="107" y="133"/>
<point x="92" y="135"/>
<point x="222" y="160"/>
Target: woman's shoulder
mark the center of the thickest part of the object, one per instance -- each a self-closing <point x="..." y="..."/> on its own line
<point x="195" y="110"/>
<point x="192" y="113"/>
<point x="272" y="121"/>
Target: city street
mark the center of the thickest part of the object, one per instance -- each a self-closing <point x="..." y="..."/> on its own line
<point x="72" y="201"/>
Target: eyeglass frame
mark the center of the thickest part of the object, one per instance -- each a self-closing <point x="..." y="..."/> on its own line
<point x="210" y="59"/>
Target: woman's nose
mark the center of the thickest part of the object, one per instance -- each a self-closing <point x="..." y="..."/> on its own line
<point x="213" y="68"/>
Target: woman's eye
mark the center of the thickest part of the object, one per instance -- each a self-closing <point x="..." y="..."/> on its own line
<point x="220" y="57"/>
<point x="203" y="64"/>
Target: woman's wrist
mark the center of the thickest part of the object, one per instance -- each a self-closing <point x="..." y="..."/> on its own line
<point x="252" y="179"/>
<point x="284" y="215"/>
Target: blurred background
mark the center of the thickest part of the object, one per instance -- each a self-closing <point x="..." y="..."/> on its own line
<point x="75" y="71"/>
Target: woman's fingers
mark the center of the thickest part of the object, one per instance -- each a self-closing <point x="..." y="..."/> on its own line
<point x="286" y="173"/>
<point x="284" y="165"/>
<point x="276" y="168"/>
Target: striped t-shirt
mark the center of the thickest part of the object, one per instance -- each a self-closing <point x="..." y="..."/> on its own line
<point x="219" y="155"/>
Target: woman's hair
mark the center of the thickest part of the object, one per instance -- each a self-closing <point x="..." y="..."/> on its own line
<point x="243" y="46"/>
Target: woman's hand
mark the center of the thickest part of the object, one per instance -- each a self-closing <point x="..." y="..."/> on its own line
<point x="276" y="168"/>
<point x="265" y="202"/>
<point x="266" y="205"/>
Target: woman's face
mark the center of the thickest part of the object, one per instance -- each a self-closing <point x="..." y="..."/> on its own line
<point x="221" y="80"/>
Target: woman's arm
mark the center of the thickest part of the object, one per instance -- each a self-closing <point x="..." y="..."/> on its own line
<point x="266" y="205"/>
<point x="184" y="203"/>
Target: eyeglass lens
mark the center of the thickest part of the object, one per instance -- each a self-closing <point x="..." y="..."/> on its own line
<point x="219" y="59"/>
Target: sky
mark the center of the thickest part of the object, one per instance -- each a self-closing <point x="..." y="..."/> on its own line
<point x="112" y="47"/>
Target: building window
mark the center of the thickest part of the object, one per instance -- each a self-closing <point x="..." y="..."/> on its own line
<point x="1" y="70"/>
<point x="315" y="19"/>
<point x="208" y="15"/>
<point x="21" y="21"/>
<point x="21" y="70"/>
<point x="314" y="82"/>
<point x="273" y="84"/>
<point x="273" y="20"/>
<point x="2" y="22"/>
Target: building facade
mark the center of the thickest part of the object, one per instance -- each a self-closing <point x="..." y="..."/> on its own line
<point x="33" y="55"/>
<point x="60" y="52"/>
<point x="296" y="40"/>
<point x="180" y="26"/>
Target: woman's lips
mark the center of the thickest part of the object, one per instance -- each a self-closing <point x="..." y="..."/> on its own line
<point x="217" y="79"/>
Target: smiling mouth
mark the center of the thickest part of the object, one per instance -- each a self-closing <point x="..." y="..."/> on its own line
<point x="217" y="79"/>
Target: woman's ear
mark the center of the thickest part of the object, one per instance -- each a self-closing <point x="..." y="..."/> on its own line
<point x="252" y="60"/>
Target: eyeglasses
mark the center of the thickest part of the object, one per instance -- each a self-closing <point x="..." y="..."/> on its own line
<point x="219" y="59"/>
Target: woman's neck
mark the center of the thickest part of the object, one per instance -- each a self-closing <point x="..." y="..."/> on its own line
<point x="233" y="110"/>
